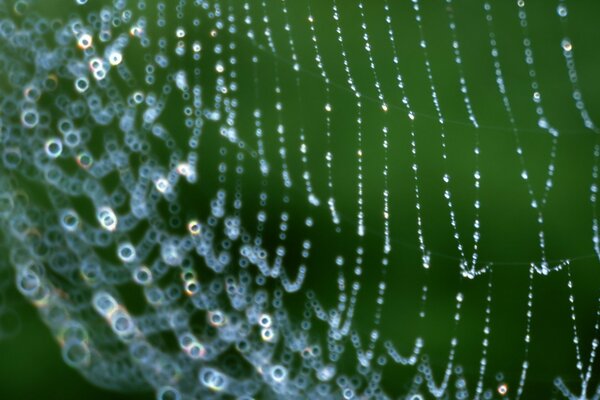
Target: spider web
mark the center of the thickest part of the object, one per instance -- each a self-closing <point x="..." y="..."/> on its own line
<point x="307" y="199"/>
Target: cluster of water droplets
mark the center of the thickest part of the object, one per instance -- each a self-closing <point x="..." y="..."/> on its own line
<point x="149" y="202"/>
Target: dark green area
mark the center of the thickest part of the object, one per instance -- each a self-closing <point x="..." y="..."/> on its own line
<point x="31" y="366"/>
